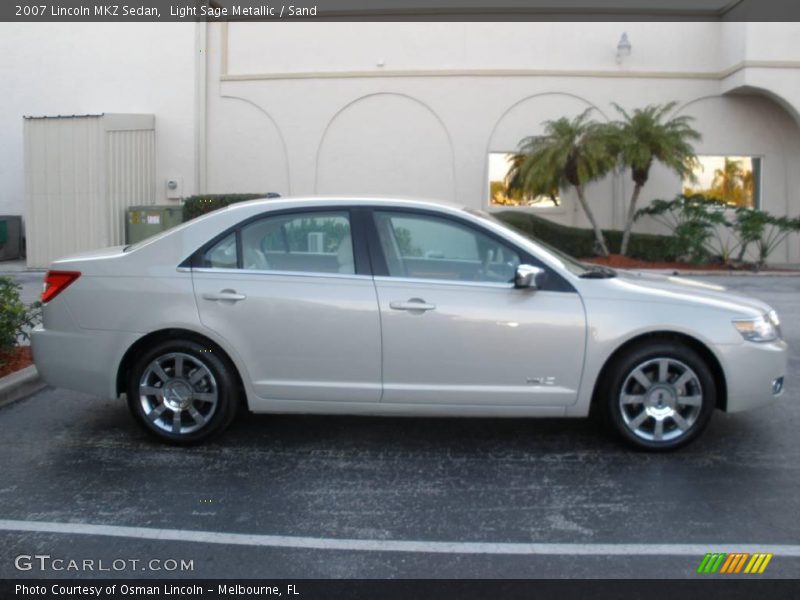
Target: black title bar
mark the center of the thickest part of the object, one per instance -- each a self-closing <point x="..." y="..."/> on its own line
<point x="400" y="10"/>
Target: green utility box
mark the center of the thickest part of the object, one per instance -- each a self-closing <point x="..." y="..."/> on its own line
<point x="144" y="221"/>
<point x="10" y="237"/>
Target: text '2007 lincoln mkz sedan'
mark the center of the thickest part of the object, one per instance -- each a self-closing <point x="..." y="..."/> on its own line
<point x="395" y="307"/>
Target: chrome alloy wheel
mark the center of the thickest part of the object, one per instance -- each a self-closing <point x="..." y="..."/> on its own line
<point x="178" y="393"/>
<point x="660" y="399"/>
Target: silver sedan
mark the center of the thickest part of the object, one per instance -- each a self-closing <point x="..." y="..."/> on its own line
<point x="395" y="307"/>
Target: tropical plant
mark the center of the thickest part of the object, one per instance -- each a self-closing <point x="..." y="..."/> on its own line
<point x="694" y="222"/>
<point x="748" y="227"/>
<point x="643" y="137"/>
<point x="729" y="178"/>
<point x="515" y="189"/>
<point x="513" y="177"/>
<point x="16" y="319"/>
<point x="776" y="230"/>
<point x="747" y="183"/>
<point x="572" y="152"/>
<point x="753" y="226"/>
<point x="698" y="224"/>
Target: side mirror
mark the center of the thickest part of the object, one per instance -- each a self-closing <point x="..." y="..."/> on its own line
<point x="528" y="277"/>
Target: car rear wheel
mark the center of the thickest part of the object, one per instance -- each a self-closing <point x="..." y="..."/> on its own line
<point x="660" y="396"/>
<point x="182" y="392"/>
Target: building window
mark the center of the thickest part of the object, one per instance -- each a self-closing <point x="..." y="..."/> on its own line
<point x="502" y="191"/>
<point x="735" y="180"/>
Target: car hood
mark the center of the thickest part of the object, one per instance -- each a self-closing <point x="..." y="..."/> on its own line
<point x="679" y="290"/>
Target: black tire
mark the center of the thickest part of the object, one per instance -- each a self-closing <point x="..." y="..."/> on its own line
<point x="215" y="378"/>
<point x="663" y="396"/>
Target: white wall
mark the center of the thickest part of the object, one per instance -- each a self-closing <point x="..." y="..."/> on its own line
<point x="304" y="108"/>
<point x="332" y="121"/>
<point x="79" y="68"/>
<point x="324" y="47"/>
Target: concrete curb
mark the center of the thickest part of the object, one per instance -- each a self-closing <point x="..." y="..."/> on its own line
<point x="20" y="384"/>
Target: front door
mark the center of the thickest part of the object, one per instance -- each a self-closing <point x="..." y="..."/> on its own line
<point x="456" y="331"/>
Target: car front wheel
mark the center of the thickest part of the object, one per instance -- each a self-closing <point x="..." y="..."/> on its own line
<point x="660" y="396"/>
<point x="182" y="391"/>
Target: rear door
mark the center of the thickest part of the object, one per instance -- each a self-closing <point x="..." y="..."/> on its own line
<point x="292" y="293"/>
<point x="456" y="331"/>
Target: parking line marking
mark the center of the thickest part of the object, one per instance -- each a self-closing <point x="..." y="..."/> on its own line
<point x="419" y="546"/>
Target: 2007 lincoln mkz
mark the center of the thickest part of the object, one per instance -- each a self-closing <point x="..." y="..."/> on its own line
<point x="395" y="307"/>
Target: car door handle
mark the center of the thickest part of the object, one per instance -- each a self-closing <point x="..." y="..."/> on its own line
<point x="224" y="295"/>
<point x="413" y="305"/>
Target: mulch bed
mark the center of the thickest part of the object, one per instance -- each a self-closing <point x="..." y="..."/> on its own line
<point x="18" y="358"/>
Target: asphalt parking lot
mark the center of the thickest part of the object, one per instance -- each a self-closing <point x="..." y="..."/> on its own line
<point x="339" y="496"/>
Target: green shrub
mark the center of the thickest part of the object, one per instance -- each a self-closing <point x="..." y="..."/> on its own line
<point x="581" y="242"/>
<point x="16" y="319"/>
<point x="759" y="227"/>
<point x="695" y="223"/>
<point x="194" y="206"/>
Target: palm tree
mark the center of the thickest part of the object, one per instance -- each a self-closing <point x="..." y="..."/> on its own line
<point x="572" y="152"/>
<point x="729" y="180"/>
<point x="749" y="188"/>
<point x="644" y="137"/>
<point x="514" y="186"/>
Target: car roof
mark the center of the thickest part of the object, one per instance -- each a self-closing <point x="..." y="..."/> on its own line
<point x="332" y="200"/>
<point x="204" y="225"/>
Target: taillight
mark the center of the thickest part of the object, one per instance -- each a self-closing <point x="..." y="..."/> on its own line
<point x="56" y="282"/>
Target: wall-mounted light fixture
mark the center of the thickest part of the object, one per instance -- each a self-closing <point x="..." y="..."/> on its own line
<point x="623" y="48"/>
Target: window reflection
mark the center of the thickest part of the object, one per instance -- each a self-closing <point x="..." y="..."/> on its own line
<point x="735" y="180"/>
<point x="502" y="188"/>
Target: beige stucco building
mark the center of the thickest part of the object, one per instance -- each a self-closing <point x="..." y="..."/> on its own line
<point x="407" y="108"/>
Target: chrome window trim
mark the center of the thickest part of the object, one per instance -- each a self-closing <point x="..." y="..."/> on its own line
<point x="379" y="278"/>
<point x="319" y="274"/>
<point x="487" y="284"/>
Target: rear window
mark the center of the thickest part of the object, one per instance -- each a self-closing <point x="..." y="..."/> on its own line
<point x="222" y="255"/>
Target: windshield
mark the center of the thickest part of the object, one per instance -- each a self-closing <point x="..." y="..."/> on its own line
<point x="572" y="265"/>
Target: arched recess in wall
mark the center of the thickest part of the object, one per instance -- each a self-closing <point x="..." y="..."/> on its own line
<point x="246" y="150"/>
<point x="751" y="125"/>
<point x="785" y="103"/>
<point x="526" y="117"/>
<point x="386" y="144"/>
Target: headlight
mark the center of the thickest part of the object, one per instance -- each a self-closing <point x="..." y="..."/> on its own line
<point x="765" y="328"/>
